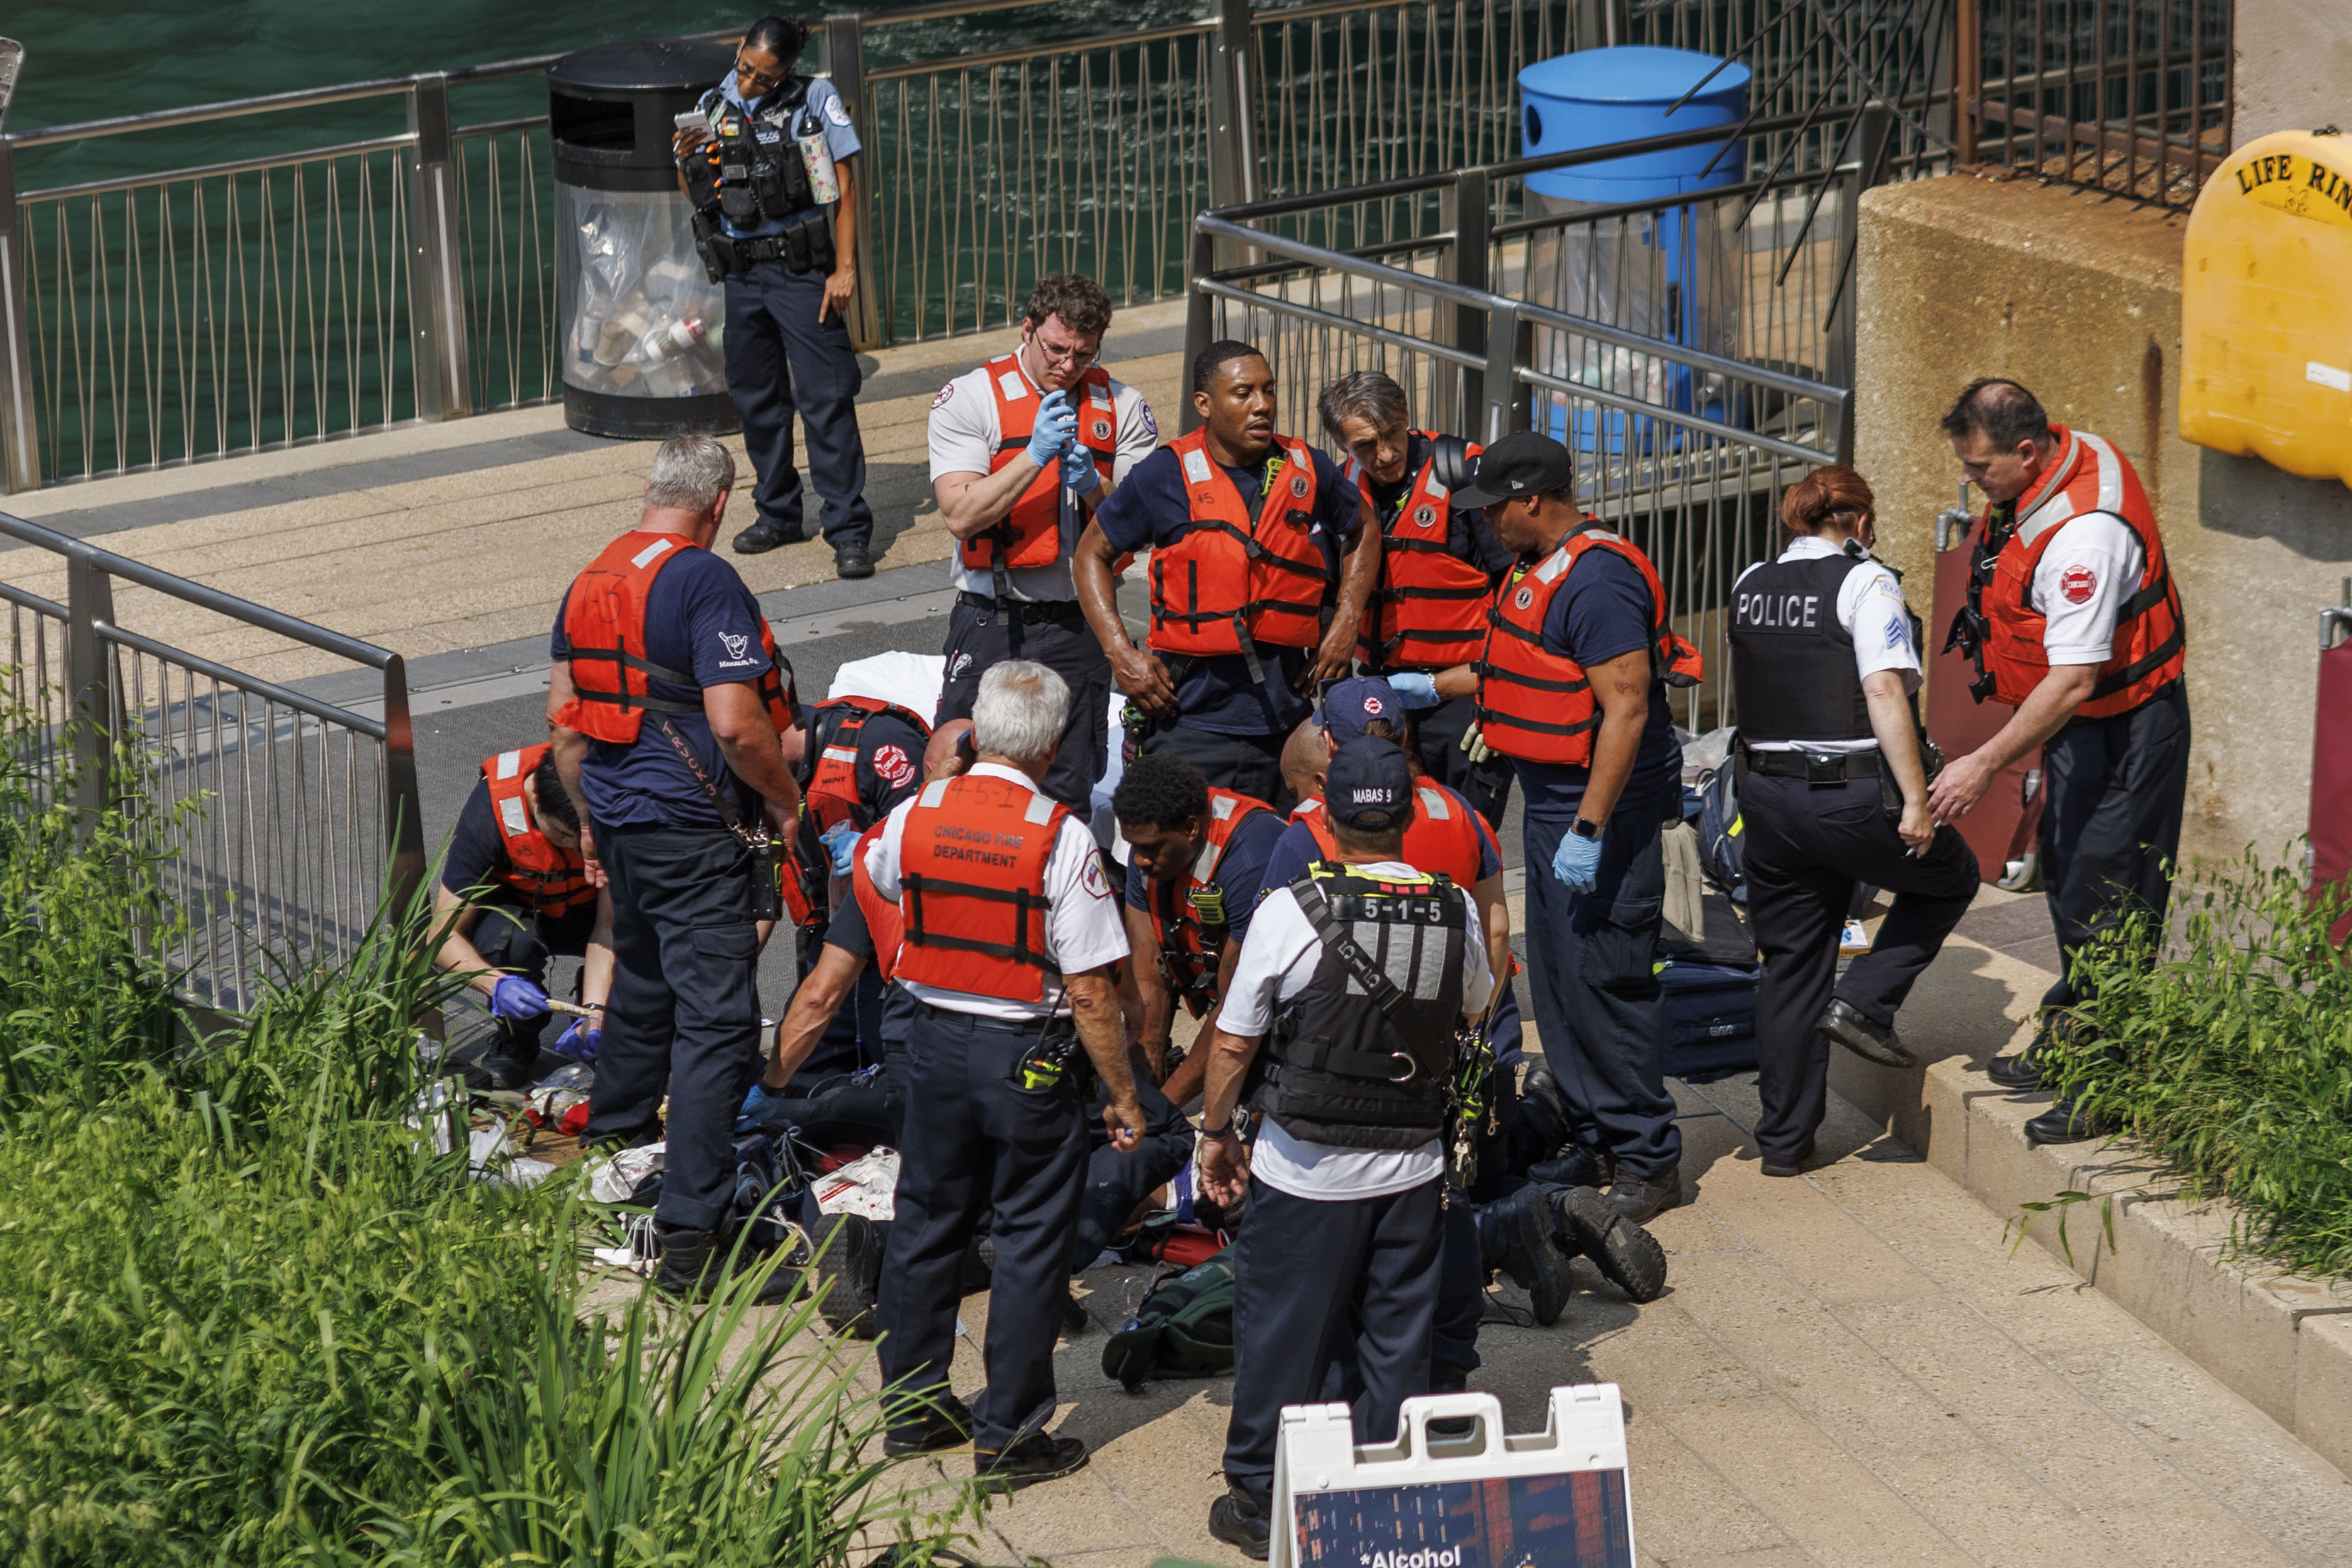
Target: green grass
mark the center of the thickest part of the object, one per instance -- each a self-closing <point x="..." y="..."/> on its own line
<point x="2232" y="1055"/>
<point x="247" y="1315"/>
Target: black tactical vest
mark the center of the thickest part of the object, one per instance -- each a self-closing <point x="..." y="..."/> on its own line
<point x="759" y="176"/>
<point x="1793" y="670"/>
<point x="1351" y="1069"/>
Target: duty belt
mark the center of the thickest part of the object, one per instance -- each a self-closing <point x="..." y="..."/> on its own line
<point x="1813" y="767"/>
<point x="1028" y="612"/>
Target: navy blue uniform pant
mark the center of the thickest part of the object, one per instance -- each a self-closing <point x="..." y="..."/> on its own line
<point x="684" y="1015"/>
<point x="1117" y="1180"/>
<point x="979" y="638"/>
<point x="1246" y="764"/>
<point x="979" y="1147"/>
<point x="1307" y="1272"/>
<point x="1594" y="994"/>
<point x="1808" y="846"/>
<point x="783" y="361"/>
<point x="2111" y="824"/>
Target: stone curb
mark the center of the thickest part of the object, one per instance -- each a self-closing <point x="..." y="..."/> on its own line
<point x="2284" y="1342"/>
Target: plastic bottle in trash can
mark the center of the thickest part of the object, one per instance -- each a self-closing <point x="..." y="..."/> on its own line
<point x="816" y="156"/>
<point x="668" y="337"/>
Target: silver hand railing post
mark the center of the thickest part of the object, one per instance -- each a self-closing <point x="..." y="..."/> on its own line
<point x="437" y="262"/>
<point x="20" y="447"/>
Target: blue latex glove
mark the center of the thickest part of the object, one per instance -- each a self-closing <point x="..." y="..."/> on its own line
<point x="1415" y="689"/>
<point x="580" y="1041"/>
<point x="517" y="998"/>
<point x="840" y="843"/>
<point x="1055" y="429"/>
<point x="759" y="1105"/>
<point x="1078" y="470"/>
<point x="1576" y="862"/>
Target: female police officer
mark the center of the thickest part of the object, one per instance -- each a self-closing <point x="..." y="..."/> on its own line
<point x="760" y="219"/>
<point x="1824" y="665"/>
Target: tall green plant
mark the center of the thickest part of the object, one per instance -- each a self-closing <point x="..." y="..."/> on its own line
<point x="2233" y="1057"/>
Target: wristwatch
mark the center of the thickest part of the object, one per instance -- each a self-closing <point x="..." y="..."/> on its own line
<point x="1584" y="829"/>
<point x="1231" y="1129"/>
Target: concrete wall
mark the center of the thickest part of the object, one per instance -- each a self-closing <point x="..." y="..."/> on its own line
<point x="2078" y="297"/>
<point x="2294" y="66"/>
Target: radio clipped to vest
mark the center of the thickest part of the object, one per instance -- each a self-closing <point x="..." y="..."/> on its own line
<point x="758" y="170"/>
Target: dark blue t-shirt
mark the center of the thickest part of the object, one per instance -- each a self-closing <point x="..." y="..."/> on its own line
<point x="1149" y="510"/>
<point x="1601" y="612"/>
<point x="1240" y="874"/>
<point x="1296" y="850"/>
<point x="700" y="617"/>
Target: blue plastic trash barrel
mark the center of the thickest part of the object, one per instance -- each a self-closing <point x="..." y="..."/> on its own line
<point x="1670" y="273"/>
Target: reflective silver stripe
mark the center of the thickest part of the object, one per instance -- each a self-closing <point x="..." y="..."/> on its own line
<point x="1553" y="564"/>
<point x="511" y="817"/>
<point x="935" y="792"/>
<point x="1222" y="805"/>
<point x="1040" y="809"/>
<point x="1204" y="864"/>
<point x="2111" y="473"/>
<point x="1432" y="803"/>
<point x="2057" y="506"/>
<point x="510" y="764"/>
<point x="841" y="754"/>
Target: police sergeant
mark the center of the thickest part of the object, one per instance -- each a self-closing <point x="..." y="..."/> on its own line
<point x="1263" y="556"/>
<point x="1347" y="1176"/>
<point x="788" y="254"/>
<point x="1009" y="932"/>
<point x="1024" y="450"/>
<point x="665" y="711"/>
<point x="2074" y="622"/>
<point x="1571" y="686"/>
<point x="514" y="894"/>
<point x="1825" y="673"/>
<point x="1439" y="565"/>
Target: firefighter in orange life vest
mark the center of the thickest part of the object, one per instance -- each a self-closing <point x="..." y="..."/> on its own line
<point x="665" y="705"/>
<point x="2074" y="621"/>
<point x="1010" y="933"/>
<point x="1263" y="556"/>
<point x="1571" y="686"/>
<point x="515" y="894"/>
<point x="1023" y="450"/>
<point x="1439" y="564"/>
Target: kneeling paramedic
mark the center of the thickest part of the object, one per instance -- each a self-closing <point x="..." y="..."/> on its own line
<point x="1824" y="666"/>
<point x="515" y="894"/>
<point x="1009" y="929"/>
<point x="665" y="705"/>
<point x="1354" y="982"/>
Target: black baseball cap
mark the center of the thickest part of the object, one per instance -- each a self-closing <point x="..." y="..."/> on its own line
<point x="1368" y="787"/>
<point x="1523" y="463"/>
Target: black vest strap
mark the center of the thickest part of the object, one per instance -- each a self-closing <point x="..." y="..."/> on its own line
<point x="1793" y="664"/>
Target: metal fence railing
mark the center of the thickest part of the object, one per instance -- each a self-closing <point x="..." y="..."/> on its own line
<point x="2129" y="96"/>
<point x="282" y="820"/>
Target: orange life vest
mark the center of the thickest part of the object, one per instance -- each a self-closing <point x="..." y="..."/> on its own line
<point x="1235" y="581"/>
<point x="604" y="622"/>
<point x="832" y="795"/>
<point x="1431" y="606"/>
<point x="551" y="879"/>
<point x="1536" y="705"/>
<point x="1442" y="838"/>
<point x="972" y="887"/>
<point x="1031" y="534"/>
<point x="2149" y="650"/>
<point x="1191" y="924"/>
<point x="884" y="923"/>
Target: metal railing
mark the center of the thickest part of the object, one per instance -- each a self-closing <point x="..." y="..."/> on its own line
<point x="282" y="820"/>
<point x="2129" y="96"/>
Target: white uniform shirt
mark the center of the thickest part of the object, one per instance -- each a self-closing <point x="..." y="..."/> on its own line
<point x="1870" y="609"/>
<point x="964" y="432"/>
<point x="2081" y="582"/>
<point x="1084" y="928"/>
<point x="1277" y="960"/>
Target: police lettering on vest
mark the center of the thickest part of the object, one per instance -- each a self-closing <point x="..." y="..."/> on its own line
<point x="751" y="174"/>
<point x="1237" y="581"/>
<point x="1355" y="1070"/>
<point x="1191" y="923"/>
<point x="1793" y="664"/>
<point x="972" y="855"/>
<point x="1430" y="609"/>
<point x="605" y="623"/>
<point x="2001" y="630"/>
<point x="1031" y="534"/>
<point x="550" y="879"/>
<point x="1442" y="838"/>
<point x="1536" y="705"/>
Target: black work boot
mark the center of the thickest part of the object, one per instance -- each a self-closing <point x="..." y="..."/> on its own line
<point x="1521" y="1236"/>
<point x="764" y="535"/>
<point x="1039" y="1457"/>
<point x="2067" y="1122"/>
<point x="1242" y="1522"/>
<point x="1627" y="1256"/>
<point x="1643" y="1198"/>
<point x="852" y="561"/>
<point x="945" y="1422"/>
<point x="1865" y="1037"/>
<point x="687" y="1267"/>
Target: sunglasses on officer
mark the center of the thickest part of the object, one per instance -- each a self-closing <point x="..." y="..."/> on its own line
<point x="753" y="79"/>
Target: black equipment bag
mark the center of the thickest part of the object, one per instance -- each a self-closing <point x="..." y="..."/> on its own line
<point x="1711" y="1020"/>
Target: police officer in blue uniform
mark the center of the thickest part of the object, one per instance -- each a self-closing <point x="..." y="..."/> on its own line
<point x="1825" y="668"/>
<point x="763" y="224"/>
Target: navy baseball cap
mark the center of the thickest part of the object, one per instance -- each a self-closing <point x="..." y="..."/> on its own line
<point x="1349" y="705"/>
<point x="1368" y="787"/>
<point x="1523" y="463"/>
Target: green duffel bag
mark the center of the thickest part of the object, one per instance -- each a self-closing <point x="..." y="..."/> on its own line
<point x="1184" y="1327"/>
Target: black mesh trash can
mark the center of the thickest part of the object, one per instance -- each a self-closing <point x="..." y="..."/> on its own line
<point x="644" y="327"/>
